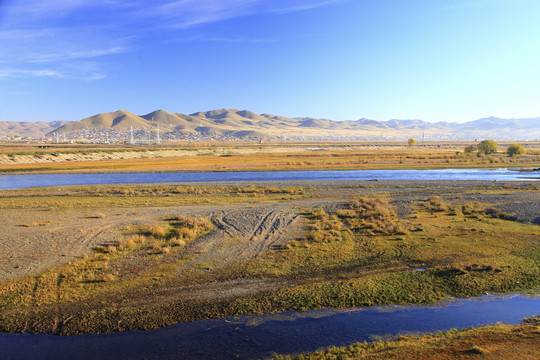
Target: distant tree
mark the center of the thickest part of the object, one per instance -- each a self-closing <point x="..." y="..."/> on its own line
<point x="412" y="142"/>
<point x="515" y="150"/>
<point x="487" y="147"/>
<point x="470" y="149"/>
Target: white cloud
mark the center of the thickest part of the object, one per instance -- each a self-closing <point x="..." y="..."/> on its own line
<point x="84" y="54"/>
<point x="14" y="73"/>
<point x="190" y="13"/>
<point x="64" y="33"/>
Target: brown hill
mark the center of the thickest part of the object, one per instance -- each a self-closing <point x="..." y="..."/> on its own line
<point x="28" y="129"/>
<point x="120" y="120"/>
<point x="244" y="123"/>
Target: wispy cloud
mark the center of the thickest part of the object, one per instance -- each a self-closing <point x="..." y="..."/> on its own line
<point x="190" y="13"/>
<point x="68" y="55"/>
<point x="65" y="33"/>
<point x="15" y="73"/>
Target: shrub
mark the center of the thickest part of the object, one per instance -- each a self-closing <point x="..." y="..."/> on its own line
<point x="487" y="147"/>
<point x="184" y="233"/>
<point x="177" y="242"/>
<point x="515" y="150"/>
<point x="411" y="142"/>
<point x="138" y="239"/>
<point x="375" y="215"/>
<point x="157" y="231"/>
<point x="127" y="243"/>
<point x="472" y="208"/>
<point x="436" y="203"/>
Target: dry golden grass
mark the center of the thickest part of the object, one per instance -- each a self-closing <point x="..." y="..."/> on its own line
<point x="341" y="158"/>
<point x="500" y="342"/>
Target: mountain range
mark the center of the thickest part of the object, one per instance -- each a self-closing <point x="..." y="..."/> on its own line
<point x="243" y="124"/>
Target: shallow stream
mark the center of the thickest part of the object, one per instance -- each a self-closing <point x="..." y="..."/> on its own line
<point x="257" y="337"/>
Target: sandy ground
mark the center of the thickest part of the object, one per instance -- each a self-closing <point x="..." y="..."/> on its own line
<point x="242" y="232"/>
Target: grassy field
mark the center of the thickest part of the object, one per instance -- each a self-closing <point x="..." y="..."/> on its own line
<point x="95" y="197"/>
<point x="498" y="342"/>
<point x="359" y="254"/>
<point x="259" y="158"/>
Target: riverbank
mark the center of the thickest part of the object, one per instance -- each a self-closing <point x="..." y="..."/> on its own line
<point x="273" y="248"/>
<point x="498" y="342"/>
<point x="223" y="158"/>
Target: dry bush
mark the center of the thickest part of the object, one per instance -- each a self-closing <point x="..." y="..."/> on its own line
<point x="154" y="243"/>
<point x="184" y="233"/>
<point x="138" y="239"/>
<point x="472" y="208"/>
<point x="127" y="243"/>
<point x="319" y="214"/>
<point x="326" y="228"/>
<point x="157" y="231"/>
<point x="177" y="242"/>
<point x="375" y="215"/>
<point x="316" y="235"/>
<point x="436" y="203"/>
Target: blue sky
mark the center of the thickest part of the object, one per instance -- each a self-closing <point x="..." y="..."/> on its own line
<point x="435" y="60"/>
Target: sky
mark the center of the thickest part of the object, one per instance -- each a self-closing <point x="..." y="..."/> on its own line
<point x="434" y="60"/>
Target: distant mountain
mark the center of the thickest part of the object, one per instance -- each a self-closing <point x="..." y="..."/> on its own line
<point x="247" y="124"/>
<point x="120" y="120"/>
<point x="28" y="129"/>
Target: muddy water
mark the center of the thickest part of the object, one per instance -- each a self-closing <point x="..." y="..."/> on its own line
<point x="24" y="181"/>
<point x="260" y="336"/>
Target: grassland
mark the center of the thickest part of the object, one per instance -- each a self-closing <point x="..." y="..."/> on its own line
<point x="119" y="196"/>
<point x="260" y="249"/>
<point x="492" y="342"/>
<point x="221" y="157"/>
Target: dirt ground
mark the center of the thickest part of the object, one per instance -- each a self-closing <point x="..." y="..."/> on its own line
<point x="32" y="240"/>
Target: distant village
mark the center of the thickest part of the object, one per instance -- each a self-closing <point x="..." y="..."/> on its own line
<point x="147" y="136"/>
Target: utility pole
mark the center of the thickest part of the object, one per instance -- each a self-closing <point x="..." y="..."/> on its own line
<point x="131" y="140"/>
<point x="158" y="139"/>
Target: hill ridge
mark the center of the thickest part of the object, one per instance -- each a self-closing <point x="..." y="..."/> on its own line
<point x="244" y="123"/>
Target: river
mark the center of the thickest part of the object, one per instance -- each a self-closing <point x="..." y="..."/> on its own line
<point x="32" y="180"/>
<point x="256" y="337"/>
